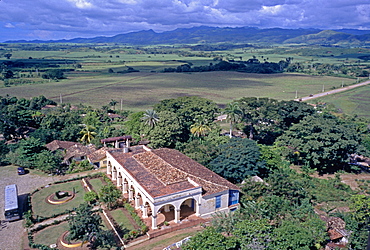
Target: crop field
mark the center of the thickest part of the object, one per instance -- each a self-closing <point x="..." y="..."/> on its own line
<point x="355" y="101"/>
<point x="96" y="80"/>
<point x="140" y="91"/>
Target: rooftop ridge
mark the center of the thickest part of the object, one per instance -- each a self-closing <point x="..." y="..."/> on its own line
<point x="140" y="163"/>
<point x="189" y="174"/>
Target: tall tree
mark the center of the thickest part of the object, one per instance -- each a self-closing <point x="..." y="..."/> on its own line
<point x="167" y="131"/>
<point x="109" y="195"/>
<point x="238" y="159"/>
<point x="84" y="224"/>
<point x="323" y="142"/>
<point x="88" y="134"/>
<point x="150" y="118"/>
<point x="201" y="126"/>
<point x="113" y="103"/>
<point x="233" y="115"/>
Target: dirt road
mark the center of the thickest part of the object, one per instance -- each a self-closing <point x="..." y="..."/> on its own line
<point x="12" y="233"/>
<point x="332" y="91"/>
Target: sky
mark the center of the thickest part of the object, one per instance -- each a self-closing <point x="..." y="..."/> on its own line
<point x="66" y="19"/>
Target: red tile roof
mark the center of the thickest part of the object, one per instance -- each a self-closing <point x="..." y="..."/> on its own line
<point x="118" y="138"/>
<point x="98" y="154"/>
<point x="166" y="171"/>
<point x="56" y="144"/>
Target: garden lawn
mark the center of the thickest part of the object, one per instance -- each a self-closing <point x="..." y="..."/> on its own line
<point x="41" y="208"/>
<point x="50" y="234"/>
<point x="121" y="219"/>
<point x="97" y="184"/>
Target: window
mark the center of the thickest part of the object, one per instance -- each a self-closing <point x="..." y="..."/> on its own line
<point x="218" y="201"/>
<point x="233" y="197"/>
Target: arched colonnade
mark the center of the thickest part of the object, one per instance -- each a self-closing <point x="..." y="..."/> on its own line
<point x="146" y="204"/>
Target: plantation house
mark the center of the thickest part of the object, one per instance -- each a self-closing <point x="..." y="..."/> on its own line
<point x="165" y="180"/>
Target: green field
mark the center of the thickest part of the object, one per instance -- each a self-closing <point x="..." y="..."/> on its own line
<point x="139" y="91"/>
<point x="43" y="209"/>
<point x="355" y="101"/>
<point x="91" y="84"/>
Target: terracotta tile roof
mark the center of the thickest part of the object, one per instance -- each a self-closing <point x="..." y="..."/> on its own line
<point x="78" y="151"/>
<point x="192" y="168"/>
<point x="56" y="144"/>
<point x="165" y="171"/>
<point x="147" y="180"/>
<point x="118" y="138"/>
<point x="335" y="233"/>
<point x="98" y="155"/>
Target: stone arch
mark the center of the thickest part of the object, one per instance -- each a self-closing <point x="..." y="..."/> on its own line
<point x="188" y="208"/>
<point x="109" y="168"/>
<point x="125" y="186"/>
<point x="131" y="192"/>
<point x="138" y="200"/>
<point x="114" y="173"/>
<point x="119" y="179"/>
<point x="167" y="212"/>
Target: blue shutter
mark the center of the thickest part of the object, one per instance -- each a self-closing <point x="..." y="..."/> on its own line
<point x="218" y="201"/>
<point x="233" y="197"/>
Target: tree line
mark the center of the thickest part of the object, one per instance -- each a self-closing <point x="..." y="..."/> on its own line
<point x="264" y="137"/>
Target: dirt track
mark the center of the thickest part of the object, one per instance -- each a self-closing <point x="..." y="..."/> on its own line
<point x="332" y="91"/>
<point x="13" y="233"/>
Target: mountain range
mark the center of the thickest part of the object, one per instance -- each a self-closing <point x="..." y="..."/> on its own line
<point x="205" y="34"/>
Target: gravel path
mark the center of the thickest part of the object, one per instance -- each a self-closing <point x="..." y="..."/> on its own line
<point x="332" y="91"/>
<point x="11" y="233"/>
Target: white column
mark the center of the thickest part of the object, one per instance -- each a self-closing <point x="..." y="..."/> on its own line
<point x="197" y="208"/>
<point x="119" y="181"/>
<point x="145" y="212"/>
<point x="137" y="201"/>
<point x="130" y="194"/>
<point x="167" y="208"/>
<point x="125" y="187"/>
<point x="154" y="221"/>
<point x="177" y="215"/>
<point x="114" y="174"/>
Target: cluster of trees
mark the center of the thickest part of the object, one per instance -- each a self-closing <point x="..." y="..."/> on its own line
<point x="27" y="128"/>
<point x="250" y="66"/>
<point x="279" y="214"/>
<point x="273" y="135"/>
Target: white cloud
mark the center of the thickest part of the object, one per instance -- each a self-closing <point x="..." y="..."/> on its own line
<point x="9" y="25"/>
<point x="82" y="4"/>
<point x="274" y="10"/>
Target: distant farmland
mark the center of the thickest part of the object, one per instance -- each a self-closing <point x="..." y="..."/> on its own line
<point x="140" y="91"/>
<point x="355" y="101"/>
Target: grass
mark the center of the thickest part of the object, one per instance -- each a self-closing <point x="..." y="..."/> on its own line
<point x="43" y="209"/>
<point x="121" y="219"/>
<point x="51" y="234"/>
<point x="97" y="184"/>
<point x="166" y="241"/>
<point x="140" y="91"/>
<point x="355" y="101"/>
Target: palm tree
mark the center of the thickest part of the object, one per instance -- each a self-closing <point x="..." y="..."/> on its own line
<point x="234" y="114"/>
<point x="150" y="118"/>
<point x="113" y="103"/>
<point x="87" y="134"/>
<point x="200" y="127"/>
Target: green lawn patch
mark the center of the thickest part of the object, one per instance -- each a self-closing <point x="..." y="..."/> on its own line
<point x="50" y="234"/>
<point x="97" y="184"/>
<point x="122" y="219"/>
<point x="41" y="208"/>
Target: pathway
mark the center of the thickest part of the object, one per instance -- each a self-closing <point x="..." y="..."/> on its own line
<point x="332" y="91"/>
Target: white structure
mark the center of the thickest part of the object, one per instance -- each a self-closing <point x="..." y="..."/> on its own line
<point x="167" y="180"/>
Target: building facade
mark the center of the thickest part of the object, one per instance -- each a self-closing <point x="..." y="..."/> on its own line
<point x="165" y="180"/>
